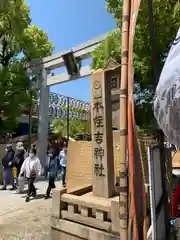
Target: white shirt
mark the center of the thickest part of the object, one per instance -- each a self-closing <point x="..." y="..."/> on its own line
<point x="63" y="158"/>
<point x="30" y="164"/>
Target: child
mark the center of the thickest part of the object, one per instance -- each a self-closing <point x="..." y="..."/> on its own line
<point x="53" y="170"/>
<point x="31" y="168"/>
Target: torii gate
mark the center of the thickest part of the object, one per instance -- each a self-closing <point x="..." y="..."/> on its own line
<point x="71" y="59"/>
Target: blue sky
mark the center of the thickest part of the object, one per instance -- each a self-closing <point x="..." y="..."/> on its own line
<point x="69" y="23"/>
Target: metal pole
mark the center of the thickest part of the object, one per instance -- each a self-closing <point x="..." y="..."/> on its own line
<point x="123" y="195"/>
<point x="152" y="194"/>
<point x="67" y="119"/>
<point x="164" y="181"/>
<point x="30" y="121"/>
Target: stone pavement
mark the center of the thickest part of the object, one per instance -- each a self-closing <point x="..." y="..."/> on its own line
<point x="24" y="221"/>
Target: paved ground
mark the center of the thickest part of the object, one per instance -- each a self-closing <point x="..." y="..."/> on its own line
<point x="25" y="221"/>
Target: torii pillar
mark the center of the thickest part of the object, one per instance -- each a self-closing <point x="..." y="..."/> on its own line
<point x="42" y="138"/>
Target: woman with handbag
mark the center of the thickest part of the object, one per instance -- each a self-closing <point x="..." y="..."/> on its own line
<point x="31" y="168"/>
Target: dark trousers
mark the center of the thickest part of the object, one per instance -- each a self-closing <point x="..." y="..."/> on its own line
<point x="63" y="175"/>
<point x="8" y="176"/>
<point x="31" y="187"/>
<point x="46" y="172"/>
<point x="51" y="185"/>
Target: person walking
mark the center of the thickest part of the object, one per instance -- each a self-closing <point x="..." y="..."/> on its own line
<point x="63" y="162"/>
<point x="46" y="168"/>
<point x="31" y="167"/>
<point x="19" y="157"/>
<point x="7" y="167"/>
<point x="53" y="170"/>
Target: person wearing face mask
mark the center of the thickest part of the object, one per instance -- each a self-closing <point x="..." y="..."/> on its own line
<point x="31" y="168"/>
<point x="19" y="157"/>
<point x="53" y="170"/>
<point x="63" y="162"/>
<point x="7" y="167"/>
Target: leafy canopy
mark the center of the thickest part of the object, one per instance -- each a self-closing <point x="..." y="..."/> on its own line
<point x="167" y="21"/>
<point x="75" y="127"/>
<point x="20" y="42"/>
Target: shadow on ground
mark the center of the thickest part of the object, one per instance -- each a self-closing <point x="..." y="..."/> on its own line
<point x="37" y="197"/>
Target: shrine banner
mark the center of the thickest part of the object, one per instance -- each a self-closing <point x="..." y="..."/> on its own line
<point x="167" y="100"/>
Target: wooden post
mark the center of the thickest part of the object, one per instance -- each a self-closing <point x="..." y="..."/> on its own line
<point x="136" y="190"/>
<point x="123" y="196"/>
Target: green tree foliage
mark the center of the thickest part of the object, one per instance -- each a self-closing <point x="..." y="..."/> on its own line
<point x="167" y="22"/>
<point x="108" y="48"/>
<point x="20" y="42"/>
<point x="75" y="127"/>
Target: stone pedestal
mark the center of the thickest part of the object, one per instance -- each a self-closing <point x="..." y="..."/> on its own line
<point x="80" y="215"/>
<point x="66" y="230"/>
<point x="92" y="212"/>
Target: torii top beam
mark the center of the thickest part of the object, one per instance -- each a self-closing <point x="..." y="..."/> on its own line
<point x="82" y="52"/>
